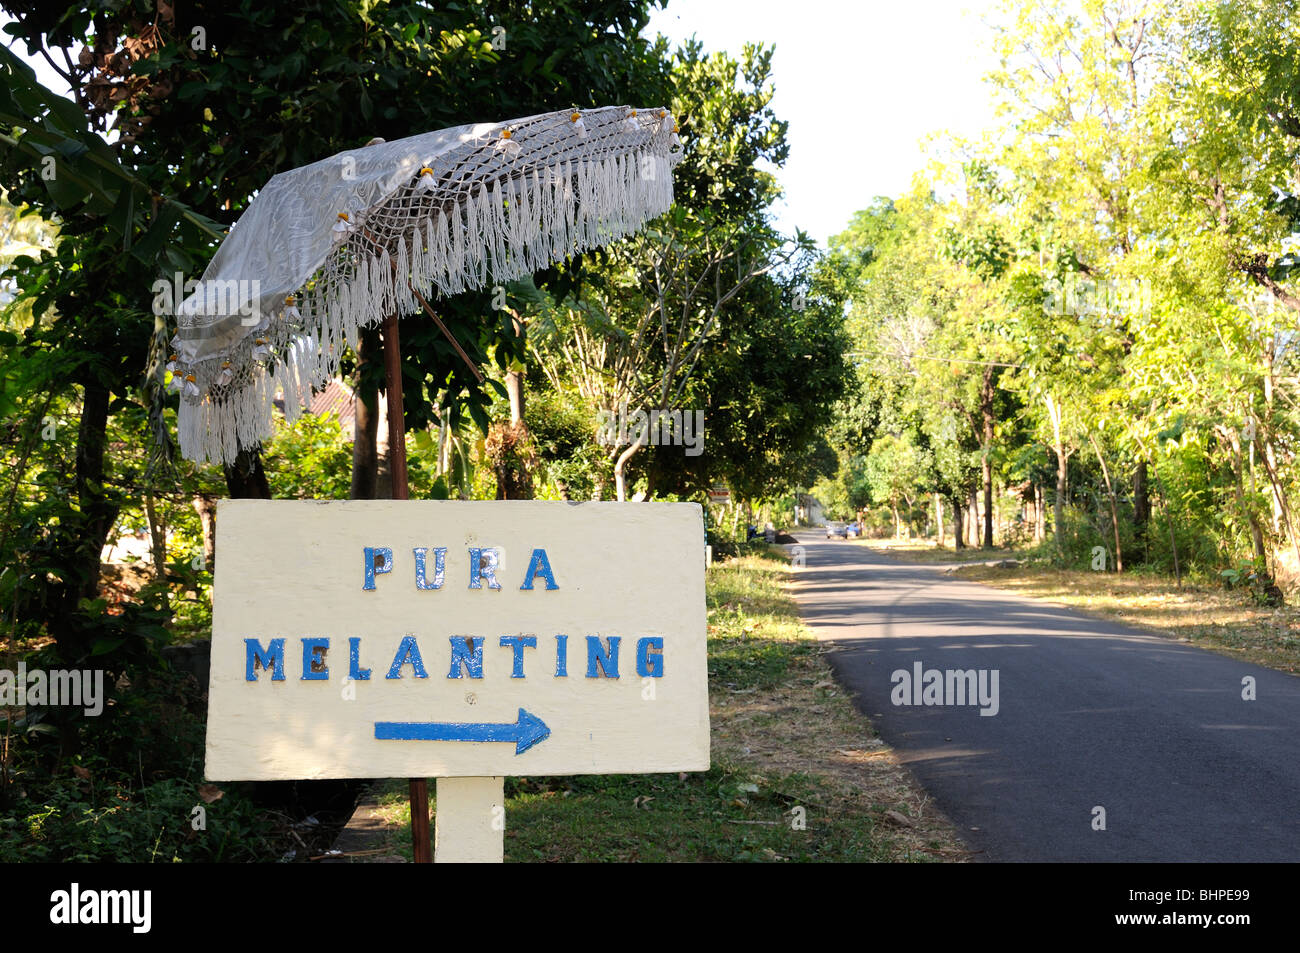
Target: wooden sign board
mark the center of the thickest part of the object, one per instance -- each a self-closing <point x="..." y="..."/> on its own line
<point x="422" y="638"/>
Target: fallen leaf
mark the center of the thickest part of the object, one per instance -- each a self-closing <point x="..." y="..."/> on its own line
<point x="901" y="819"/>
<point x="81" y="772"/>
<point x="210" y="793"/>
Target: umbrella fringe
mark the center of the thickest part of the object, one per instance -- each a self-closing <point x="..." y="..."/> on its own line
<point x="503" y="231"/>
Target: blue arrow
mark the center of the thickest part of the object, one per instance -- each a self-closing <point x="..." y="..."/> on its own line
<point x="527" y="731"/>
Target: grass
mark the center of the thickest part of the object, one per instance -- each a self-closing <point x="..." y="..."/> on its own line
<point x="1223" y="620"/>
<point x="797" y="773"/>
<point x="926" y="552"/>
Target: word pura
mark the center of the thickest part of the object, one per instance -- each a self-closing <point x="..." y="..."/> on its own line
<point x="483" y="565"/>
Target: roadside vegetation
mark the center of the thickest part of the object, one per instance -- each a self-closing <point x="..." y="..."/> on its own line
<point x="1076" y="334"/>
<point x="1236" y="620"/>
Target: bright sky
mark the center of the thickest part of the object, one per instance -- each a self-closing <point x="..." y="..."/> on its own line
<point x="861" y="82"/>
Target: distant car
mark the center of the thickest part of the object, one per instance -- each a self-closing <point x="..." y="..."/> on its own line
<point x="854" y="530"/>
<point x="837" y="529"/>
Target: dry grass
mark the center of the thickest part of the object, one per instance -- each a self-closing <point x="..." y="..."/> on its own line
<point x="808" y="726"/>
<point x="1222" y="620"/>
<point x="925" y="551"/>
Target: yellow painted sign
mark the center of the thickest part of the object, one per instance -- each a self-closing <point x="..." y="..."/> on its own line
<point x="425" y="638"/>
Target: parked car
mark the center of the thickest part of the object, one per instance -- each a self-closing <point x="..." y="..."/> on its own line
<point x="837" y="528"/>
<point x="854" y="530"/>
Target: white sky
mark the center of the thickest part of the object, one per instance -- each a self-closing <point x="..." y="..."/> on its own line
<point x="861" y="82"/>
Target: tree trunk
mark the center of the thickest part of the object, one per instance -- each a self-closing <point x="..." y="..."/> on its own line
<point x="82" y="542"/>
<point x="157" y="538"/>
<point x="1256" y="534"/>
<point x="206" y="507"/>
<point x="1173" y="541"/>
<point x="973" y="506"/>
<point x="515" y="391"/>
<point x="1062" y="470"/>
<point x="958" y="539"/>
<point x="988" y="392"/>
<point x="157" y="545"/>
<point x="938" y="517"/>
<point x="1141" y="506"/>
<point x="514" y="479"/>
<point x="1114" y="509"/>
<point x="366" y="414"/>
<point x="245" y="478"/>
<point x="1040" y="513"/>
<point x="620" y="470"/>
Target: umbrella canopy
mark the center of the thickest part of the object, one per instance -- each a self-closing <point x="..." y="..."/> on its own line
<point x="340" y="244"/>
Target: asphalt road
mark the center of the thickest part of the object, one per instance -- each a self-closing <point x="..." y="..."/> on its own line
<point x="1090" y="714"/>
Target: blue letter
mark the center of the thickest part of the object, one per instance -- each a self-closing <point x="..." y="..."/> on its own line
<point x="539" y="565"/>
<point x="607" y="659"/>
<point x="462" y="656"/>
<point x="313" y="654"/>
<point x="254" y="653"/>
<point x="519" y="643"/>
<point x="561" y="656"/>
<point x="650" y="665"/>
<point x="377" y="554"/>
<point x="483" y="565"/>
<point x="439" y="564"/>
<point x="408" y="651"/>
<point x="355" y="671"/>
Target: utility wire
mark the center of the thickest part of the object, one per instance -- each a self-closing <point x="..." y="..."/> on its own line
<point x="931" y="357"/>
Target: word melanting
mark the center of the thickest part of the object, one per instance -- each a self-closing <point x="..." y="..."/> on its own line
<point x="464" y="660"/>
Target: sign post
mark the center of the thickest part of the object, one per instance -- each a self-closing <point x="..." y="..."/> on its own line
<point x="464" y="641"/>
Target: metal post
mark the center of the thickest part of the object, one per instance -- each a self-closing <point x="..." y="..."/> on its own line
<point x="419" y="787"/>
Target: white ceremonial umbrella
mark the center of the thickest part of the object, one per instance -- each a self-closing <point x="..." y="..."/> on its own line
<point x="371" y="233"/>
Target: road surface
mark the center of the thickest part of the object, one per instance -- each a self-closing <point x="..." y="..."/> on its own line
<point x="1089" y="715"/>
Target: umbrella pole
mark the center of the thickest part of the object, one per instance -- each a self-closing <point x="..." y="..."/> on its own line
<point x="419" y="787"/>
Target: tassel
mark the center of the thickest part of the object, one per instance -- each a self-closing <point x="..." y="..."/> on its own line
<point x="261" y="349"/>
<point x="578" y="125"/>
<point x="291" y="312"/>
<point x="666" y="123"/>
<point x="631" y="122"/>
<point x="190" y="388"/>
<point x="226" y="375"/>
<point x="426" y="183"/>
<point x="172" y="364"/>
<point x="343" y="227"/>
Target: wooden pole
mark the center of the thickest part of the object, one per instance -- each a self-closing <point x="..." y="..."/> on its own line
<point x="419" y="787"/>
